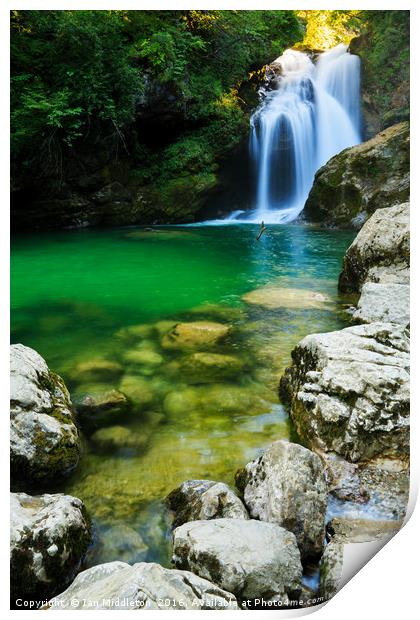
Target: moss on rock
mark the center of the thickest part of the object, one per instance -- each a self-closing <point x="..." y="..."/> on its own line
<point x="361" y="179"/>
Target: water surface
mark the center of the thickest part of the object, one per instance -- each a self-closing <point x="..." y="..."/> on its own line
<point x="75" y="293"/>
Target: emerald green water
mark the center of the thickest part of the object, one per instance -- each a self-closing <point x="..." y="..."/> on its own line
<point x="75" y="293"/>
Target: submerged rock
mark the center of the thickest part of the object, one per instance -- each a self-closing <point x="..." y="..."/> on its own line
<point x="219" y="312"/>
<point x="119" y="438"/>
<point x="209" y="367"/>
<point x="49" y="535"/>
<point x="133" y="333"/>
<point x="349" y="391"/>
<point x="330" y="569"/>
<point x="195" y="335"/>
<point x="250" y="558"/>
<point x="361" y="179"/>
<point x="139" y="390"/>
<point x="98" y="406"/>
<point x="204" y="499"/>
<point x="44" y="441"/>
<point x="117" y="585"/>
<point x="213" y="399"/>
<point x="97" y="370"/>
<point x="146" y="360"/>
<point x="274" y="297"/>
<point x="286" y="485"/>
<point x="119" y="542"/>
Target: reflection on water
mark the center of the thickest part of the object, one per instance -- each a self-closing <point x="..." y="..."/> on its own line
<point x="98" y="306"/>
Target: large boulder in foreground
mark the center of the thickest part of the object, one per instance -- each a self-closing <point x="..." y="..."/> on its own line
<point x="198" y="500"/>
<point x="361" y="179"/>
<point x="49" y="535"/>
<point x="286" y="485"/>
<point x="349" y="391"/>
<point x="250" y="558"/>
<point x="381" y="251"/>
<point x="117" y="585"/>
<point x="44" y="441"/>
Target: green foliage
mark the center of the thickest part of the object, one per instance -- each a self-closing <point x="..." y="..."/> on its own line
<point x="325" y="29"/>
<point x="77" y="75"/>
<point x="69" y="69"/>
<point x="384" y="47"/>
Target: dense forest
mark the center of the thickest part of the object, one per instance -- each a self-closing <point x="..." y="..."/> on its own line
<point x="137" y="109"/>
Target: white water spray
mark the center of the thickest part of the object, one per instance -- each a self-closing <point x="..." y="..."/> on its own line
<point x="312" y="115"/>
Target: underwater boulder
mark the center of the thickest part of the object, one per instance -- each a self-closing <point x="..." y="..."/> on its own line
<point x="140" y="391"/>
<point x="119" y="438"/>
<point x="276" y="297"/>
<point x="358" y="530"/>
<point x="96" y="370"/>
<point x="135" y="332"/>
<point x="143" y="359"/>
<point x="195" y="335"/>
<point x="99" y="405"/>
<point x="207" y="367"/>
<point x="119" y="542"/>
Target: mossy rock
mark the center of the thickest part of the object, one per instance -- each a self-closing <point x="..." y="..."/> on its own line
<point x="144" y="358"/>
<point x="355" y="183"/>
<point x="98" y="405"/>
<point x="139" y="390"/>
<point x="50" y="535"/>
<point x="96" y="370"/>
<point x="119" y="439"/>
<point x="207" y="367"/>
<point x="133" y="333"/>
<point x="44" y="440"/>
<point x="195" y="335"/>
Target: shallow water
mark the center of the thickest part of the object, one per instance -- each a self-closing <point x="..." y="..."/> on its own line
<point x="73" y="296"/>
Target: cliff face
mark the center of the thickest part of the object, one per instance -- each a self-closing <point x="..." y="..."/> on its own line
<point x="361" y="179"/>
<point x="384" y="49"/>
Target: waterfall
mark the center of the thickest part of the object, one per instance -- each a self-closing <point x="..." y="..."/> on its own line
<point x="311" y="115"/>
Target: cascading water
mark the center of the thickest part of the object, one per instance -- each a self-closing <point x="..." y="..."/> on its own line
<point x="313" y="114"/>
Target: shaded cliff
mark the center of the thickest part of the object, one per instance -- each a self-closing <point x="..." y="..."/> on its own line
<point x="384" y="49"/>
<point x="361" y="179"/>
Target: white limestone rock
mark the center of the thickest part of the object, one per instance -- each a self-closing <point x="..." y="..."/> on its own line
<point x="119" y="586"/>
<point x="249" y="558"/>
<point x="44" y="440"/>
